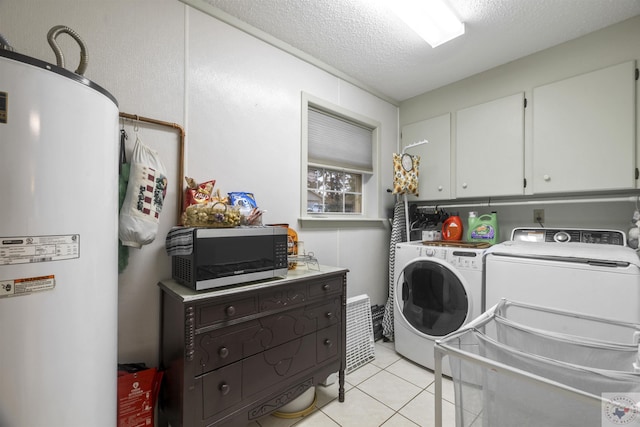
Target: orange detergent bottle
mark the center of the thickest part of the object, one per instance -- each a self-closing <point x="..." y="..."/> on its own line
<point x="452" y="228"/>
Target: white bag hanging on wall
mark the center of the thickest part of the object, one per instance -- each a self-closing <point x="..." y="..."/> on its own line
<point x="143" y="202"/>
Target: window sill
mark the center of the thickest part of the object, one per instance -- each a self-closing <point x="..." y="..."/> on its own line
<point x="341" y="222"/>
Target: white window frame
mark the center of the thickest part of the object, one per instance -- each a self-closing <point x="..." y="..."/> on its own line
<point x="371" y="188"/>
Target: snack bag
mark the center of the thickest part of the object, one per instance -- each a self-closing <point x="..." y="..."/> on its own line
<point x="244" y="200"/>
<point x="197" y="194"/>
<point x="246" y="203"/>
<point x="146" y="190"/>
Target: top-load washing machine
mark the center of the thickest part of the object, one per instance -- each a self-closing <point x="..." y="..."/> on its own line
<point x="591" y="272"/>
<point x="437" y="290"/>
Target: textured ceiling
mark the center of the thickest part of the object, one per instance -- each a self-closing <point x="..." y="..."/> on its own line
<point x="364" y="40"/>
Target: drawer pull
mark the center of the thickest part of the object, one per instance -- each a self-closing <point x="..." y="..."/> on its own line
<point x="326" y="286"/>
<point x="329" y="315"/>
<point x="231" y="310"/>
<point x="223" y="352"/>
<point x="328" y="342"/>
<point x="225" y="389"/>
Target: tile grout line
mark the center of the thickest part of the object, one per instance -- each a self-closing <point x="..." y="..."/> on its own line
<point x="395" y="412"/>
<point x="363" y="380"/>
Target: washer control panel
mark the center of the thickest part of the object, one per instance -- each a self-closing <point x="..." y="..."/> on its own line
<point x="434" y="252"/>
<point x="568" y="235"/>
<point x="464" y="259"/>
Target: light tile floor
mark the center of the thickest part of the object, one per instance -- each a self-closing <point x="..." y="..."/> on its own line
<point x="389" y="391"/>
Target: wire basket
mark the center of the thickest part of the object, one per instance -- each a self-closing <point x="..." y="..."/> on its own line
<point x="360" y="343"/>
<point x="509" y="373"/>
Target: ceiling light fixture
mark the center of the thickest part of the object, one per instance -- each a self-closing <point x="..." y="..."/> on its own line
<point x="431" y="19"/>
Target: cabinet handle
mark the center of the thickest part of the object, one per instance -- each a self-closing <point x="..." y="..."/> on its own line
<point x="439" y="187"/>
<point x="464" y="185"/>
<point x="223" y="352"/>
<point x="546" y="178"/>
<point x="225" y="389"/>
<point x="326" y="287"/>
<point x="329" y="315"/>
<point x="231" y="310"/>
<point x="328" y="342"/>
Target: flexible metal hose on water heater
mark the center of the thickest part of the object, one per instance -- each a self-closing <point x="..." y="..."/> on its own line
<point x="84" y="55"/>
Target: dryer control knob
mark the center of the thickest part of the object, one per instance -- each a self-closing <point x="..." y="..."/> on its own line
<point x="429" y="252"/>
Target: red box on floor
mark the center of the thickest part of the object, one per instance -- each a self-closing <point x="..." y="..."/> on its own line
<point x="137" y="393"/>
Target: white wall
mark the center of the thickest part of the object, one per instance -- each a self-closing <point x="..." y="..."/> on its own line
<point x="610" y="46"/>
<point x="239" y="101"/>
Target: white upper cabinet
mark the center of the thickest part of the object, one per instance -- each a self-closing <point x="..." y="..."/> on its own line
<point x="584" y="132"/>
<point x="490" y="148"/>
<point x="435" y="156"/>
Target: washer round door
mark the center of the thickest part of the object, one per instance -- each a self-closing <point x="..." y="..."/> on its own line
<point x="432" y="297"/>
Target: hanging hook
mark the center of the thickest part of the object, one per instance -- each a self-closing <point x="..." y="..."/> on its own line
<point x="123" y="156"/>
<point x="135" y="124"/>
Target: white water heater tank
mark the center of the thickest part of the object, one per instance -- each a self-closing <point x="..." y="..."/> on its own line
<point x="58" y="247"/>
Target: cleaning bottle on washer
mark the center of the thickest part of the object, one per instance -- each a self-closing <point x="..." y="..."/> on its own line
<point x="483" y="228"/>
<point x="452" y="228"/>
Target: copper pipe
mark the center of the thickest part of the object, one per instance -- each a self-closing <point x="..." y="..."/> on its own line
<point x="181" y="154"/>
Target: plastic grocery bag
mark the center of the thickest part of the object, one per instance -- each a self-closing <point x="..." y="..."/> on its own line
<point x="143" y="202"/>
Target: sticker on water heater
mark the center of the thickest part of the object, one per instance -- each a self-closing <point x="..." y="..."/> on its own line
<point x="30" y="249"/>
<point x="26" y="286"/>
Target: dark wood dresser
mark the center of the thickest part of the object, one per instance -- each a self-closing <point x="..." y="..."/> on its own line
<point x="236" y="354"/>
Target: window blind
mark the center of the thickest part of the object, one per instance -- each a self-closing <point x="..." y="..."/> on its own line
<point x="337" y="142"/>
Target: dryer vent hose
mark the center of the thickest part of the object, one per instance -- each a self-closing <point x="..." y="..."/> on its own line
<point x="51" y="38"/>
<point x="4" y="44"/>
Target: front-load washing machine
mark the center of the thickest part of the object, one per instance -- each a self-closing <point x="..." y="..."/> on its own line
<point x="590" y="272"/>
<point x="437" y="290"/>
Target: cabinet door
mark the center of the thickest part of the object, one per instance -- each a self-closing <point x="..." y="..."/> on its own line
<point x="490" y="148"/>
<point x="435" y="156"/>
<point x="583" y="132"/>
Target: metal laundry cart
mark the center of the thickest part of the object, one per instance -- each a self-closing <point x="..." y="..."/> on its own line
<point x="508" y="372"/>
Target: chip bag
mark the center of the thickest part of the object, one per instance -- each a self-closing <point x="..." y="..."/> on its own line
<point x="198" y="194"/>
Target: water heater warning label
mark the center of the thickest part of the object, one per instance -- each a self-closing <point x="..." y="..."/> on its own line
<point x="18" y="287"/>
<point x="23" y="250"/>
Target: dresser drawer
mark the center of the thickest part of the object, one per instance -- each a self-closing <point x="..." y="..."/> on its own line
<point x="208" y="314"/>
<point x="327" y="343"/>
<point x="323" y="287"/>
<point x="215" y="349"/>
<point x="221" y="389"/>
<point x="282" y="297"/>
<point x="325" y="314"/>
<point x="224" y="346"/>
<point x="277" y="364"/>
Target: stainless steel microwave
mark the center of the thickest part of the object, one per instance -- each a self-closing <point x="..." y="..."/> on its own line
<point x="215" y="257"/>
